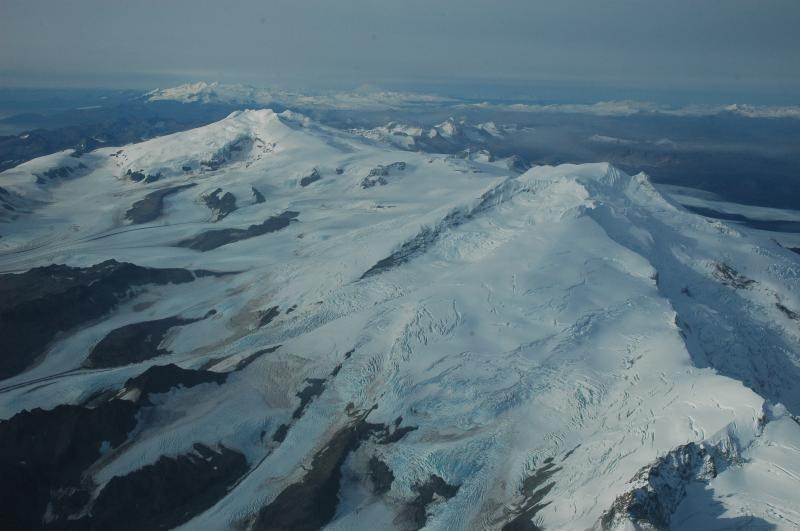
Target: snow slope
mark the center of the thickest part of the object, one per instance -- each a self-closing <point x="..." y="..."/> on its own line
<point x="572" y="347"/>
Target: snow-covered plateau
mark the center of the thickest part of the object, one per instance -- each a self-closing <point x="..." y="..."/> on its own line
<point x="322" y="330"/>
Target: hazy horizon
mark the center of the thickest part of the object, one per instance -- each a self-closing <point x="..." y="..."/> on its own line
<point x="676" y="52"/>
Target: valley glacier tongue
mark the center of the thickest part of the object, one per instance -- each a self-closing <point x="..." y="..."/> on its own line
<point x="574" y="350"/>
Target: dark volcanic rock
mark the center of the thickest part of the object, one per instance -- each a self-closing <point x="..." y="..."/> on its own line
<point x="267" y="316"/>
<point x="148" y="209"/>
<point x="409" y="250"/>
<point x="167" y="493"/>
<point x="311" y="391"/>
<point x="133" y="343"/>
<point x="381" y="475"/>
<point x="280" y="434"/>
<point x="379" y="174"/>
<point x="43" y="453"/>
<point x="788" y="312"/>
<point x="44" y="456"/>
<point x="434" y="487"/>
<point x="209" y="240"/>
<point x="534" y="489"/>
<point x="661" y="487"/>
<point x="139" y="176"/>
<point x="62" y="172"/>
<point x="38" y="304"/>
<point x="313" y="177"/>
<point x="730" y="277"/>
<point x="311" y="503"/>
<point x="220" y="206"/>
<point x="258" y="196"/>
<point x="162" y="378"/>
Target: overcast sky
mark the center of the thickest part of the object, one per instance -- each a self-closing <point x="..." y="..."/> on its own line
<point x="741" y="47"/>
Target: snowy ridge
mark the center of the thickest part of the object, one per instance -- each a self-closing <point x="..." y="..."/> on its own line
<point x="221" y="93"/>
<point x="554" y="344"/>
<point x="447" y="134"/>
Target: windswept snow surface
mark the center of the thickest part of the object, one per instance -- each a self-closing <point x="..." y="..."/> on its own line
<point x="570" y="319"/>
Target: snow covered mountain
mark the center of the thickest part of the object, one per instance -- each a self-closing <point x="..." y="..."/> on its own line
<point x="266" y="323"/>
<point x="222" y="93"/>
<point x="373" y="99"/>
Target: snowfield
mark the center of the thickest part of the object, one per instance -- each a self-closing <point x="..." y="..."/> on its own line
<point x="568" y="348"/>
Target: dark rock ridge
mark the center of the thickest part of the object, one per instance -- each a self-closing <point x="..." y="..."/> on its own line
<point x="267" y="316"/>
<point x="257" y="196"/>
<point x="212" y="239"/>
<point x="59" y="173"/>
<point x="313" y="177"/>
<point x="167" y="493"/>
<point x="427" y="236"/>
<point x="227" y="153"/>
<point x="788" y="312"/>
<point x="244" y="362"/>
<point x="133" y="343"/>
<point x="280" y="434"/>
<point x="730" y="277"/>
<point x="150" y="207"/>
<point x="44" y="455"/>
<point x="534" y="489"/>
<point x="658" y="489"/>
<point x="14" y="204"/>
<point x="311" y="503"/>
<point x="220" y="206"/>
<point x="407" y="251"/>
<point x="162" y="378"/>
<point x="434" y="487"/>
<point x="307" y="394"/>
<point x="379" y="174"/>
<point x="139" y="176"/>
<point x="474" y="153"/>
<point x="384" y="434"/>
<point x="381" y="475"/>
<point x="37" y="305"/>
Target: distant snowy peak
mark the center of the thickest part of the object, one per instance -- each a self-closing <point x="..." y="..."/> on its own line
<point x="235" y="94"/>
<point x="447" y="136"/>
<point x="240" y="140"/>
<point x="203" y="92"/>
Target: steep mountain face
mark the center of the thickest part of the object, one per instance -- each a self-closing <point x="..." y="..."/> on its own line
<point x="452" y="346"/>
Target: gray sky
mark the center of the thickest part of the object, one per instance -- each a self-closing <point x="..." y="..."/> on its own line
<point x="723" y="46"/>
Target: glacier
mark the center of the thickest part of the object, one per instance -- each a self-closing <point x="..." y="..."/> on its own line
<point x="457" y="346"/>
